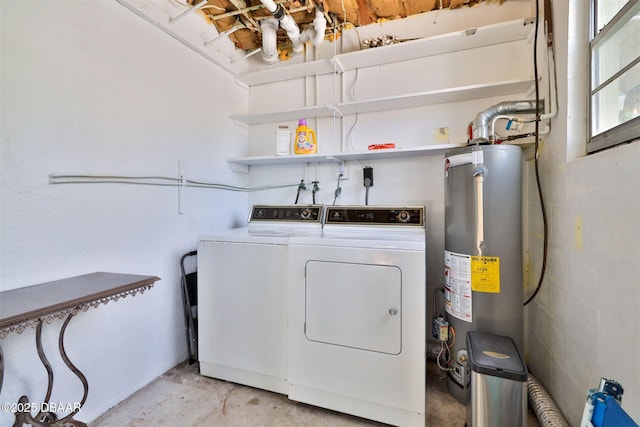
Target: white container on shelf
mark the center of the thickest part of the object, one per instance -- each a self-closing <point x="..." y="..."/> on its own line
<point x="283" y="141"/>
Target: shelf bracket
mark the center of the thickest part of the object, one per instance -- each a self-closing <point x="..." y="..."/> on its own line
<point x="240" y="123"/>
<point x="335" y="160"/>
<point x="336" y="110"/>
<point x="531" y="90"/>
<point x="335" y="61"/>
<point x="238" y="167"/>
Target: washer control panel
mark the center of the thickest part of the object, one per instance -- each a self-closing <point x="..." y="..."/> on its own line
<point x="375" y="215"/>
<point x="296" y="213"/>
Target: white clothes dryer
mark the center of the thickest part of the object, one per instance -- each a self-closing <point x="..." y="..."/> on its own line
<point x="242" y="294"/>
<point x="357" y="298"/>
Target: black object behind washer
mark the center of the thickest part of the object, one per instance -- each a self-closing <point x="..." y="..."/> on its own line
<point x="189" y="285"/>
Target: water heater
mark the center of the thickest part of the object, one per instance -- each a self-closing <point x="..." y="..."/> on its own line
<point x="483" y="250"/>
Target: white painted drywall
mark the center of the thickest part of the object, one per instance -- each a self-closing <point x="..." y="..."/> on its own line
<point x="89" y="87"/>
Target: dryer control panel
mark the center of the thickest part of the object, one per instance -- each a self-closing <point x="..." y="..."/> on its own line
<point x="375" y="215"/>
<point x="297" y="213"/>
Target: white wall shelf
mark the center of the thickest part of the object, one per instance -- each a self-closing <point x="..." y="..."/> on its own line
<point x="242" y="164"/>
<point x="471" y="88"/>
<point x="439" y="96"/>
<point x="504" y="32"/>
<point x="432" y="97"/>
<point x="284" y="115"/>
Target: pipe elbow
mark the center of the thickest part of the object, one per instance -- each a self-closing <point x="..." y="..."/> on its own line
<point x="319" y="26"/>
<point x="286" y="22"/>
<point x="480" y="125"/>
<point x="269" y="40"/>
<point x="293" y="32"/>
<point x="315" y="32"/>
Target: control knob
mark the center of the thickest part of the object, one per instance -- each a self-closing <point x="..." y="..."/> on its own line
<point x="403" y="216"/>
<point x="305" y="213"/>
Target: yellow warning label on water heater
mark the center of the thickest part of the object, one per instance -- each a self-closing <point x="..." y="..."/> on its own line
<point x="485" y="274"/>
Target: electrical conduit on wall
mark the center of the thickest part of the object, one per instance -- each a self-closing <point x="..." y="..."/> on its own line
<point x="162" y="181"/>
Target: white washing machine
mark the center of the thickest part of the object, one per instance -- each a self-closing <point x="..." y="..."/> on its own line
<point x="357" y="297"/>
<point x="242" y="296"/>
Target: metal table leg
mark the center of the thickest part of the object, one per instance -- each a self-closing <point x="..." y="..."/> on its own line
<point x="19" y="311"/>
<point x="45" y="362"/>
<point x="49" y="418"/>
<point x="85" y="385"/>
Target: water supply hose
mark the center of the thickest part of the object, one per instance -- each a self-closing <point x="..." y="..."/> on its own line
<point x="301" y="187"/>
<point x="316" y="188"/>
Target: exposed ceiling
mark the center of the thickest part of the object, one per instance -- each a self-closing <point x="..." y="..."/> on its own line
<point x="244" y="16"/>
<point x="231" y="33"/>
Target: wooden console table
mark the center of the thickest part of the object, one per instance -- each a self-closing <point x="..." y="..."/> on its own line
<point x="61" y="299"/>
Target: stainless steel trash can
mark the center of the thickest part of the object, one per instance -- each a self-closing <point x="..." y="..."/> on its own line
<point x="498" y="382"/>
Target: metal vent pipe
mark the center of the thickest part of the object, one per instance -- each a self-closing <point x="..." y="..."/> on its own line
<point x="543" y="405"/>
<point x="482" y="121"/>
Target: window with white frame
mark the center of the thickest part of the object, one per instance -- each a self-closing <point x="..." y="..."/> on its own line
<point x="615" y="73"/>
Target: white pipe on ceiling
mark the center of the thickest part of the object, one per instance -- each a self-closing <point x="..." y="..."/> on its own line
<point x="269" y="40"/>
<point x="316" y="32"/>
<point x="286" y="22"/>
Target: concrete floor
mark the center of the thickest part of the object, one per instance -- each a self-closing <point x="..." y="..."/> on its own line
<point x="182" y="397"/>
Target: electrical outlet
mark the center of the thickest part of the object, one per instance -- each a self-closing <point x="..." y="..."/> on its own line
<point x="342" y="169"/>
<point x="367" y="176"/>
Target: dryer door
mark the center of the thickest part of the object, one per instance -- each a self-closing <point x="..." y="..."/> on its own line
<point x="354" y="305"/>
